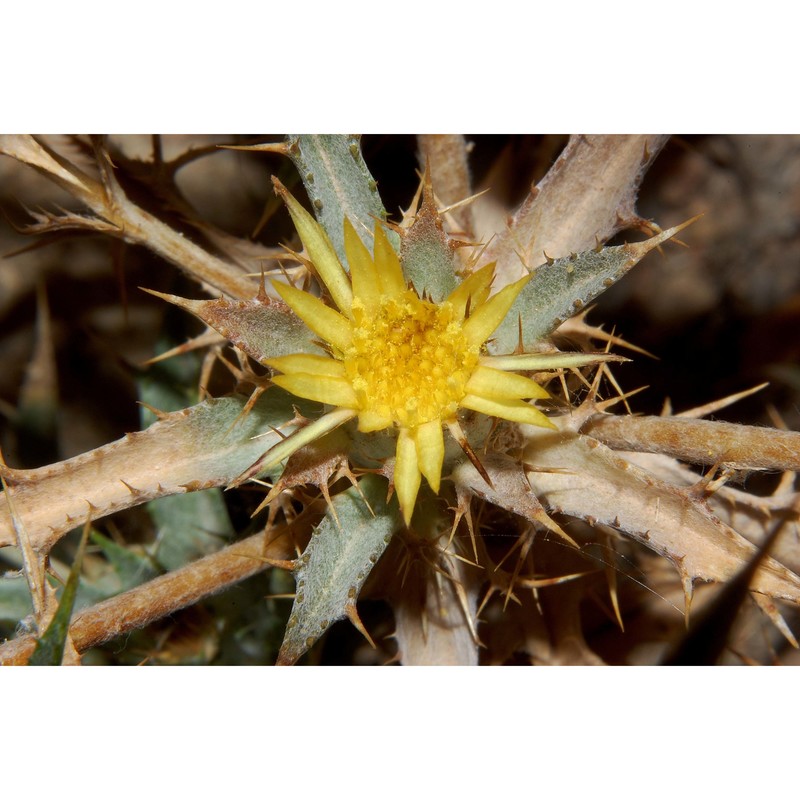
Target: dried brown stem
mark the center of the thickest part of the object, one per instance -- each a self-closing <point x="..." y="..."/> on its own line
<point x="166" y="594"/>
<point x="197" y="448"/>
<point x="700" y="441"/>
<point x="131" y="223"/>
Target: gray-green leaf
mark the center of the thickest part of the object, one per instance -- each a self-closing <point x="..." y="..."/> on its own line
<point x="428" y="261"/>
<point x="330" y="573"/>
<point x="560" y="289"/>
<point x="339" y="185"/>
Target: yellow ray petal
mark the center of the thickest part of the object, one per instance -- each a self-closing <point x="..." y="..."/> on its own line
<point x="302" y="437"/>
<point x="333" y="391"/>
<point x="319" y="249"/>
<point x="430" y="452"/>
<point x="548" y="361"/>
<point x="390" y="273"/>
<point x="325" y="321"/>
<point x="310" y="364"/>
<point x="499" y="385"/>
<point x="474" y="288"/>
<point x="363" y="274"/>
<point x="407" y="476"/>
<point x="514" y="410"/>
<point x="373" y="421"/>
<point x="484" y="320"/>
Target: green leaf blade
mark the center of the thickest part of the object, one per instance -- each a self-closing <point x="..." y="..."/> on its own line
<point x="51" y="645"/>
<point x="428" y="260"/>
<point x="339" y="184"/>
<point x="337" y="561"/>
<point x="560" y="289"/>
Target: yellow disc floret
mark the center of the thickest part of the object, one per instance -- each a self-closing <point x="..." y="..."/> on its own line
<point x="409" y="363"/>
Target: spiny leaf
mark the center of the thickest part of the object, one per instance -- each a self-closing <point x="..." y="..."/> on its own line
<point x="589" y="192"/>
<point x="330" y="573"/>
<point x="339" y="185"/>
<point x="509" y="489"/>
<point x="430" y="616"/>
<point x="50" y="647"/>
<point x="433" y="593"/>
<point x="262" y="327"/>
<point x="701" y="441"/>
<point x="577" y="475"/>
<point x="428" y="260"/>
<point x="708" y="636"/>
<point x="201" y="447"/>
<point x="188" y="525"/>
<point x="560" y="289"/>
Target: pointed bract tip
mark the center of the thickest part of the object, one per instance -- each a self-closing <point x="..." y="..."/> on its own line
<point x="281" y="148"/>
<point x="285" y="658"/>
<point x="352" y="615"/>
<point x="280" y="189"/>
<point x="427" y="181"/>
<point x="182" y="302"/>
<point x="687" y="582"/>
<point x="640" y="249"/>
<point x="155" y="293"/>
<point x="428" y="207"/>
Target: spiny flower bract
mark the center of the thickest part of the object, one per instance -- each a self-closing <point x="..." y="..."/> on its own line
<point x="396" y="359"/>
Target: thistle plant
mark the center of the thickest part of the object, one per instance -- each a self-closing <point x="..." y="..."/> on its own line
<point x="377" y="353"/>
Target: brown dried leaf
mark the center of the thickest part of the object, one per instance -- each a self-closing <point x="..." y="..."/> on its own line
<point x="135" y="225"/>
<point x="262" y="327"/>
<point x="430" y="615"/>
<point x="588" y="194"/>
<point x="167" y="593"/>
<point x="591" y="482"/>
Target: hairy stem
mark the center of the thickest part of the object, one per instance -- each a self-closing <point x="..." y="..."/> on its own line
<point x="700" y="441"/>
<point x="168" y="593"/>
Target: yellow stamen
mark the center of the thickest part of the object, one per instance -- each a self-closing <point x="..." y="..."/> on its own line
<point x="409" y="361"/>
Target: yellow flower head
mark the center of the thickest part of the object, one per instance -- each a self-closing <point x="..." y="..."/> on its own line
<point x="395" y="359"/>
